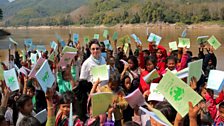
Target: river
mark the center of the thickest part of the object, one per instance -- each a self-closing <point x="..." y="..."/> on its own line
<point x="168" y="34"/>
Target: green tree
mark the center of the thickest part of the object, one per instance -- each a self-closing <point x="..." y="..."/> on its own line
<point x="222" y="13"/>
<point x="205" y="14"/>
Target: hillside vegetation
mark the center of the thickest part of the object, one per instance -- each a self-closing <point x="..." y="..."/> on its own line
<point x="96" y="12"/>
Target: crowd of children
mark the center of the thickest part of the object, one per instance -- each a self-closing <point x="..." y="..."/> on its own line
<point x="74" y="85"/>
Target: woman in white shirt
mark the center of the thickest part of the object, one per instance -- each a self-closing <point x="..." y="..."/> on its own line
<point x="95" y="59"/>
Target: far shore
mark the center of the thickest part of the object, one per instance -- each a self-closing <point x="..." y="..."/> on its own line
<point x="157" y="25"/>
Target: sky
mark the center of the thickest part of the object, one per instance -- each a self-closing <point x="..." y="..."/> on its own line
<point x="11" y="0"/>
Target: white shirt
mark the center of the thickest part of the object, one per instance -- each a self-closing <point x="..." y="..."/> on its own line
<point x="8" y="115"/>
<point x="86" y="67"/>
<point x="21" y="116"/>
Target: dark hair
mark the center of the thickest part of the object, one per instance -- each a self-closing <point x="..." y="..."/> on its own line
<point x="30" y="85"/>
<point x="152" y="59"/>
<point x="221" y="105"/>
<point x="146" y="51"/>
<point x="66" y="98"/>
<point x="94" y="41"/>
<point x="29" y="121"/>
<point x="19" y="104"/>
<point x="167" y="110"/>
<point x="171" y="58"/>
<point x="135" y="61"/>
<point x="123" y="81"/>
<point x="131" y="123"/>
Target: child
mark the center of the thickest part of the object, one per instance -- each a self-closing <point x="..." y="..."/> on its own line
<point x="119" y="101"/>
<point x="24" y="107"/>
<point x="161" y="55"/>
<point x="172" y="65"/>
<point x="128" y="88"/>
<point x="66" y="79"/>
<point x="131" y="68"/>
<point x="150" y="64"/>
<point x="217" y="115"/>
<point x="62" y="116"/>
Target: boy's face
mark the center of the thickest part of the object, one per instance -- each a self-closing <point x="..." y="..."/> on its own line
<point x="171" y="64"/>
<point x="30" y="92"/>
<point x="65" y="109"/>
<point x="221" y="113"/>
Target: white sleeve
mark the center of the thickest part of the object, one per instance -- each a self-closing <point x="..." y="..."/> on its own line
<point x="84" y="72"/>
<point x="7" y="116"/>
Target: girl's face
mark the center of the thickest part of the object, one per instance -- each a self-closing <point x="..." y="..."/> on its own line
<point x="149" y="66"/>
<point x="65" y="109"/>
<point x="158" y="54"/>
<point x="27" y="108"/>
<point x="113" y="85"/>
<point x="131" y="63"/>
<point x="221" y="113"/>
<point x="127" y="83"/>
<point x="65" y="75"/>
<point x="95" y="51"/>
<point x="203" y="92"/>
<point x="171" y="64"/>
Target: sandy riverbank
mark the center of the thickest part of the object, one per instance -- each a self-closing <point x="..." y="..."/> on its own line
<point x="160" y="25"/>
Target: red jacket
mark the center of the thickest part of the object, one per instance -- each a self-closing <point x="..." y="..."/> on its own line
<point x="143" y="86"/>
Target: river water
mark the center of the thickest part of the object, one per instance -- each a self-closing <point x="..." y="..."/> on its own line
<point x="168" y="34"/>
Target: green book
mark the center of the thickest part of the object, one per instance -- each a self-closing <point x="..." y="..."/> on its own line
<point x="96" y="36"/>
<point x="178" y="93"/>
<point x="86" y="40"/>
<point x="105" y="33"/>
<point x="195" y="69"/>
<point x="214" y="42"/>
<point x="202" y="39"/>
<point x="115" y="36"/>
<point x="69" y="49"/>
<point x="184" y="42"/>
<point x="173" y="45"/>
<point x="101" y="102"/>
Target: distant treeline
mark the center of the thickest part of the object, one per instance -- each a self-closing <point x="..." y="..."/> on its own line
<point x="135" y="11"/>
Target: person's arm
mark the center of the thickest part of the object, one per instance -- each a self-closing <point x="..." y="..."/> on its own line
<point x="50" y="108"/>
<point x="122" y="103"/>
<point x="213" y="57"/>
<point x="211" y="105"/>
<point x="25" y="85"/>
<point x="193" y="83"/>
<point x="193" y="112"/>
<point x="141" y="58"/>
<point x="94" y="88"/>
<point x="183" y="63"/>
<point x="4" y="102"/>
<point x="126" y="66"/>
<point x="130" y="50"/>
<point x="73" y="76"/>
<point x="220" y="98"/>
<point x="201" y="54"/>
<point x="115" y="48"/>
<point x="178" y="120"/>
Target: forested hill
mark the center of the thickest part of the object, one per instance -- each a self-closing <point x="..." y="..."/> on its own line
<point x="67" y="12"/>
